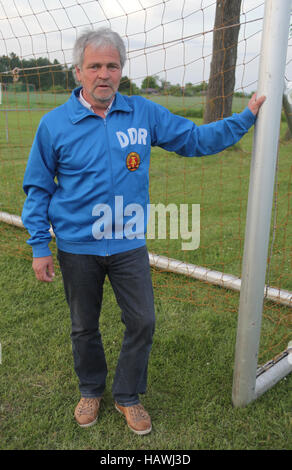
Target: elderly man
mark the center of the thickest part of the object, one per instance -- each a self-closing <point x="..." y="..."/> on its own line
<point x="89" y="159"/>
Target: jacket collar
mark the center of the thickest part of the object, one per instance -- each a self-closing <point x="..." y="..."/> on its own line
<point x="77" y="111"/>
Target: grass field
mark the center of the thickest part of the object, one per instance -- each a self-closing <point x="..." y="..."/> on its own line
<point x="191" y="366"/>
<point x="48" y="100"/>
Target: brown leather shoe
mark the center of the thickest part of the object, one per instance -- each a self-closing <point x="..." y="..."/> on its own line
<point x="137" y="418"/>
<point x="86" y="412"/>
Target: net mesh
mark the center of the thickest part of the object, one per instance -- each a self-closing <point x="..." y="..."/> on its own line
<point x="169" y="49"/>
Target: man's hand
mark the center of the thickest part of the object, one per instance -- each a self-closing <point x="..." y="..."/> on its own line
<point x="44" y="268"/>
<point x="255" y="103"/>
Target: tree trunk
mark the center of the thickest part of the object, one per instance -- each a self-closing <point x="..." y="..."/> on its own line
<point x="288" y="134"/>
<point x="222" y="73"/>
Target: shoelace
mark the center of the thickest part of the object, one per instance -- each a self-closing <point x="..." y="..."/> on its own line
<point x="86" y="406"/>
<point x="138" y="412"/>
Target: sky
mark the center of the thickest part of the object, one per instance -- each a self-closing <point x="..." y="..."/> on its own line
<point x="168" y="38"/>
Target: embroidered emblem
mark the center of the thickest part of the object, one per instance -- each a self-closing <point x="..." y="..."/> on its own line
<point x="133" y="161"/>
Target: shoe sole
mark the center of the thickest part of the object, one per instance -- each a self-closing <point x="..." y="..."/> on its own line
<point x="87" y="425"/>
<point x="140" y="433"/>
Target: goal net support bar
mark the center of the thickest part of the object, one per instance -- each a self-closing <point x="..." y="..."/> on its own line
<point x="272" y="372"/>
<point x="260" y="200"/>
<point x="227" y="281"/>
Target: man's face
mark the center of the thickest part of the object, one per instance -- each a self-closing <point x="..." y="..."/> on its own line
<point x="100" y="74"/>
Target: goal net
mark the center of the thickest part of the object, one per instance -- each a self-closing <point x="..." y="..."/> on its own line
<point x="169" y="52"/>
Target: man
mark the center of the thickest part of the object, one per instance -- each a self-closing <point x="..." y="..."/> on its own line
<point x="97" y="146"/>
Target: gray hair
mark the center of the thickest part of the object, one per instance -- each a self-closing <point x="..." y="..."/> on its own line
<point x="98" y="38"/>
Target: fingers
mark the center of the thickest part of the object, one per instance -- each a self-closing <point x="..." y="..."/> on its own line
<point x="50" y="270"/>
<point x="255" y="103"/>
<point x="260" y="100"/>
<point x="44" y="268"/>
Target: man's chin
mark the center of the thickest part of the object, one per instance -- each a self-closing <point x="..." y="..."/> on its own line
<point x="104" y="99"/>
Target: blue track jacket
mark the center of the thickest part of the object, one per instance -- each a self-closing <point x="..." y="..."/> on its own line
<point x="88" y="177"/>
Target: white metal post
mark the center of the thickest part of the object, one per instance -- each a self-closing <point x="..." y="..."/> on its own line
<point x="260" y="198"/>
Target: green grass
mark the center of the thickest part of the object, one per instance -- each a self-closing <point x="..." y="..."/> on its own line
<point x="190" y="376"/>
<point x="35" y="100"/>
<point x="191" y="365"/>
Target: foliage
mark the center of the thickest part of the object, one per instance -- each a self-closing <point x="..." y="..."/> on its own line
<point x="128" y="87"/>
<point x="150" y="81"/>
<point x="40" y="73"/>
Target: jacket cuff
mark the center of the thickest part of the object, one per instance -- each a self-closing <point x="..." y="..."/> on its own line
<point x="39" y="251"/>
<point x="248" y="116"/>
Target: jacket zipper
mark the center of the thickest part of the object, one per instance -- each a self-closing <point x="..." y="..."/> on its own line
<point x="111" y="172"/>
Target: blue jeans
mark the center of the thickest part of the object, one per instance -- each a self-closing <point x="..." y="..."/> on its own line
<point x="129" y="274"/>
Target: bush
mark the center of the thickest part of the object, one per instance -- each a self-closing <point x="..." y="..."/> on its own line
<point x="194" y="113"/>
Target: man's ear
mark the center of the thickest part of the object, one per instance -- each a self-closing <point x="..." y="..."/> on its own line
<point x="78" y="73"/>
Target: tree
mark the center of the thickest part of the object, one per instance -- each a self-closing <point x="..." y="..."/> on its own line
<point x="224" y="55"/>
<point x="25" y="73"/>
<point x="150" y="82"/>
<point x="128" y="87"/>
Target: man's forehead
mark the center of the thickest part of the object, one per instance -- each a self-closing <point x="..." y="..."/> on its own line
<point x="101" y="53"/>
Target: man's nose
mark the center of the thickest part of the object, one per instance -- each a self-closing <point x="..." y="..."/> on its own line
<point x="103" y="72"/>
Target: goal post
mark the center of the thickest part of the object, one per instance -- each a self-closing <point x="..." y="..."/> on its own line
<point x="274" y="45"/>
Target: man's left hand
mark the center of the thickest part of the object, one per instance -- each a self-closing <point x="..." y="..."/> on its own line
<point x="255" y="103"/>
